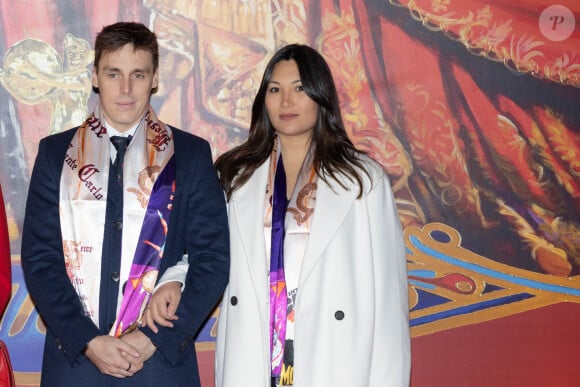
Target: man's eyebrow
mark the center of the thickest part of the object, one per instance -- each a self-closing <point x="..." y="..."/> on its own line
<point x="116" y="69"/>
<point x="138" y="70"/>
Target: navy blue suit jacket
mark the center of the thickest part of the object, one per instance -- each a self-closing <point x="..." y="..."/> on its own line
<point x="197" y="225"/>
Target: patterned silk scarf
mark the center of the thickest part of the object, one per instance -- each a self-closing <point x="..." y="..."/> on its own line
<point x="278" y="294"/>
<point x="287" y="224"/>
<point x="148" y="187"/>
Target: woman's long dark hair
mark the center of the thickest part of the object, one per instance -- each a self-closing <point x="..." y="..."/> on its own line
<point x="334" y="153"/>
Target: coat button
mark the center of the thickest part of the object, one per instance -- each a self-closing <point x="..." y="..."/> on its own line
<point x="115" y="276"/>
<point x="234" y="300"/>
<point x="118" y="226"/>
<point x="339" y="315"/>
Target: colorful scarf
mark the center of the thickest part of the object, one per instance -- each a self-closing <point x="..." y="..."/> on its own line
<point x="288" y="226"/>
<point x="148" y="187"/>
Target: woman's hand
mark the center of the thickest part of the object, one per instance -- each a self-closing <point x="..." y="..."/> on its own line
<point x="162" y="306"/>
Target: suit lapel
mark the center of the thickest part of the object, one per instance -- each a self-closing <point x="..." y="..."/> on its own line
<point x="329" y="213"/>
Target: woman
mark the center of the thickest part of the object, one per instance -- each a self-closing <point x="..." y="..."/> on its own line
<point x="318" y="284"/>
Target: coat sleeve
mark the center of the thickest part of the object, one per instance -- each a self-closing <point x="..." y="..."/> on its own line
<point x="5" y="277"/>
<point x="391" y="353"/>
<point x="204" y="230"/>
<point x="43" y="258"/>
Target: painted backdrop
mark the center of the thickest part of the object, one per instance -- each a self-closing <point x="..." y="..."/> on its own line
<point x="472" y="106"/>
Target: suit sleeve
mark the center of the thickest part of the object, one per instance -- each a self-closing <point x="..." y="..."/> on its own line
<point x="391" y="356"/>
<point x="5" y="277"/>
<point x="206" y="235"/>
<point x="43" y="258"/>
<point x="176" y="273"/>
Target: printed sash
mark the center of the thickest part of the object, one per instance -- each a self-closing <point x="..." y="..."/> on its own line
<point x="148" y="186"/>
<point x="286" y="228"/>
<point x="278" y="294"/>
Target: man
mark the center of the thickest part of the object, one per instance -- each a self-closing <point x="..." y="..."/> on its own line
<point x="104" y="220"/>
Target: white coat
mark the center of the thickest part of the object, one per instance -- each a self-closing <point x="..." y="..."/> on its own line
<point x="354" y="267"/>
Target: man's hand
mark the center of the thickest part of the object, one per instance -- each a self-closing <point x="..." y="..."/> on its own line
<point x="114" y="357"/>
<point x="162" y="306"/>
<point x="139" y="340"/>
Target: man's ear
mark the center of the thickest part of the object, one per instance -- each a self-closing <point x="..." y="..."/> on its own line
<point x="95" y="81"/>
<point x="155" y="84"/>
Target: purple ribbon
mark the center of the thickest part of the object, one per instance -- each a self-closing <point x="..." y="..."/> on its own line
<point x="149" y="251"/>
<point x="278" y="295"/>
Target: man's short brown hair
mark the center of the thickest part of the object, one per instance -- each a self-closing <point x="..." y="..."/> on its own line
<point x="115" y="36"/>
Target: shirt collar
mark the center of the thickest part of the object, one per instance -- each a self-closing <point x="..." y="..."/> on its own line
<point x="114" y="132"/>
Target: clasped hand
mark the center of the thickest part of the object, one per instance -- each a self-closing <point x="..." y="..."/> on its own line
<point x="124" y="357"/>
<point x="120" y="357"/>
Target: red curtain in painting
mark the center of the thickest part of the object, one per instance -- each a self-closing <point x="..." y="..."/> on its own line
<point x="465" y="90"/>
<point x="479" y="129"/>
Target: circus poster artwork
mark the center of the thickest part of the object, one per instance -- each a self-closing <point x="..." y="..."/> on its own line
<point x="472" y="107"/>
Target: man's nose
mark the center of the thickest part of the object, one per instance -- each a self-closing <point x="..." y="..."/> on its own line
<point x="126" y="85"/>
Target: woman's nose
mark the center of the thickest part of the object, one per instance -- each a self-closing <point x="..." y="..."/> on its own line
<point x="287" y="99"/>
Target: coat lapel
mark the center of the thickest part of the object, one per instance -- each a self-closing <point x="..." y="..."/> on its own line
<point x="332" y="206"/>
<point x="329" y="213"/>
<point x="247" y="214"/>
